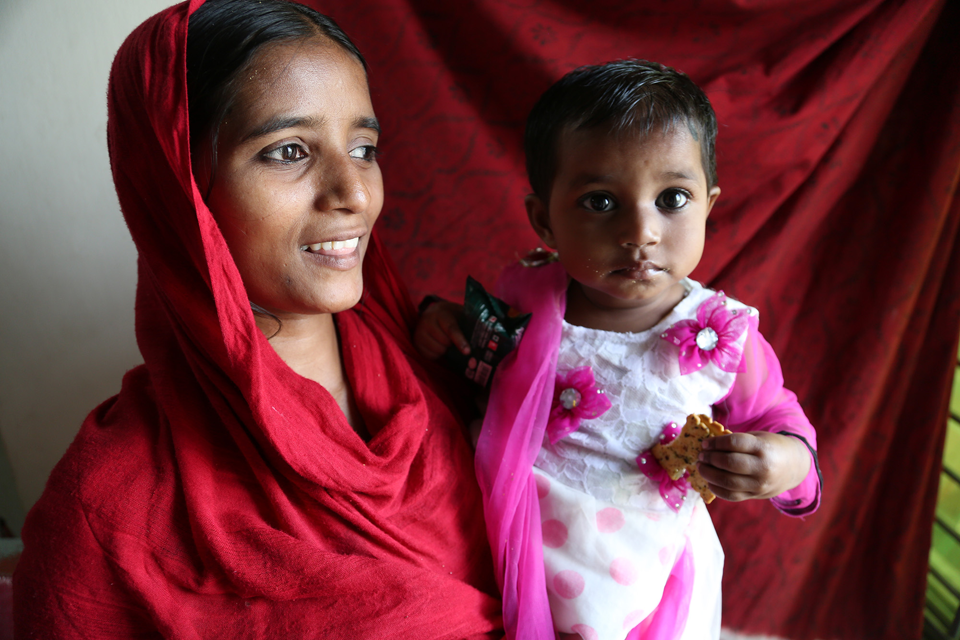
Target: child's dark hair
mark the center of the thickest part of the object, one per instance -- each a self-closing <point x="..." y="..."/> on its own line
<point x="222" y="38"/>
<point x="624" y="96"/>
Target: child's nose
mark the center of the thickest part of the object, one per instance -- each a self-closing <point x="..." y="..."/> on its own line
<point x="341" y="186"/>
<point x="641" y="228"/>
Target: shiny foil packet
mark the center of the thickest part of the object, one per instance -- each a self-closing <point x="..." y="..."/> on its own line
<point x="492" y="327"/>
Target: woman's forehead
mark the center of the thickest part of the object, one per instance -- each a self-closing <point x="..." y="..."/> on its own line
<point x="310" y="77"/>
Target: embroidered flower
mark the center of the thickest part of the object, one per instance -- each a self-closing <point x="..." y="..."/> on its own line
<point x="712" y="337"/>
<point x="673" y="492"/>
<point x="575" y="398"/>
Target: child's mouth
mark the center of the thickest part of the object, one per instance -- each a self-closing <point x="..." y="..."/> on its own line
<point x="642" y="271"/>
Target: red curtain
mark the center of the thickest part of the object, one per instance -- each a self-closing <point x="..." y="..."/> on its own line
<point x="839" y="158"/>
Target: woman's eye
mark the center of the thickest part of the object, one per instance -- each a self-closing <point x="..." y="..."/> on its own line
<point x="287" y="153"/>
<point x="367" y="152"/>
<point x="598" y="202"/>
<point x="673" y="199"/>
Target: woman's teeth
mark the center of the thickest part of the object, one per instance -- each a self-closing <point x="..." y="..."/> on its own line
<point x="329" y="246"/>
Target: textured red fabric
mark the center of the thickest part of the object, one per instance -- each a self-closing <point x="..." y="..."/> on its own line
<point x="221" y="495"/>
<point x="838" y="156"/>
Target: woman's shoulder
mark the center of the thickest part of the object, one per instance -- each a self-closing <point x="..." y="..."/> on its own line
<point x="107" y="486"/>
<point x="117" y="457"/>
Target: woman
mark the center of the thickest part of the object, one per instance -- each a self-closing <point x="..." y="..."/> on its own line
<point x="278" y="467"/>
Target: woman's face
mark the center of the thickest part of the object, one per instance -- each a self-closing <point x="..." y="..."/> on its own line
<point x="297" y="187"/>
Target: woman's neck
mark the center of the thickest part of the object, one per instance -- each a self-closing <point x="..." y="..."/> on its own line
<point x="310" y="346"/>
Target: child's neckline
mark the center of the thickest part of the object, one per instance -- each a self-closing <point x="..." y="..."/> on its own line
<point x="667" y="320"/>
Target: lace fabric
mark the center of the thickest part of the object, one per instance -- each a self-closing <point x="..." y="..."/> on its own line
<point x="640" y="375"/>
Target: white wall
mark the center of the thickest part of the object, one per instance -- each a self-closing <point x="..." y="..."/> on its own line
<point x="67" y="264"/>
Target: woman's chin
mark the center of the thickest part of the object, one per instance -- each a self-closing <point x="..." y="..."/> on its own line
<point x="346" y="297"/>
<point x="325" y="302"/>
<point x="350" y="303"/>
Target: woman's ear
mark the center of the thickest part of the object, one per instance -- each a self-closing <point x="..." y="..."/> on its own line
<point x="712" y="198"/>
<point x="539" y="215"/>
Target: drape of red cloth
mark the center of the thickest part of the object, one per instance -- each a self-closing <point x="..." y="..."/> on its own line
<point x="839" y="157"/>
<point x="222" y="495"/>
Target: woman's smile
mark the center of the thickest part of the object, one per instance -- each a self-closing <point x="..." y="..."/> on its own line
<point x="333" y="247"/>
<point x="340" y="255"/>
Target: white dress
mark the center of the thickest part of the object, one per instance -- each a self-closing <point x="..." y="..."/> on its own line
<point x="610" y="540"/>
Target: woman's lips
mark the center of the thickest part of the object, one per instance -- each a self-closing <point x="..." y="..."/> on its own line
<point x="339" y="255"/>
<point x="333" y="247"/>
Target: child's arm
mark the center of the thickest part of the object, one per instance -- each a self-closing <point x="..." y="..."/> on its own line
<point x="772" y="453"/>
<point x="437" y="329"/>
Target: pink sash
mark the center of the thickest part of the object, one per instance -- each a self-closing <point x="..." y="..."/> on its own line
<point x="513" y="430"/>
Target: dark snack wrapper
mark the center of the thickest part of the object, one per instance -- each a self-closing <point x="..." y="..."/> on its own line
<point x="493" y="329"/>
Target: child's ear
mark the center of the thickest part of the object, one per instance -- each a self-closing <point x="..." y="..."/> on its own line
<point x="712" y="198"/>
<point x="539" y="216"/>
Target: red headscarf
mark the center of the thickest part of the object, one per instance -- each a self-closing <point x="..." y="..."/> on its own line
<point x="220" y="494"/>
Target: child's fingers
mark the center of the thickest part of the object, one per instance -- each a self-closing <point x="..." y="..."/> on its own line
<point x="741" y="442"/>
<point x="431" y="340"/>
<point x="438" y="329"/>
<point x="450" y="327"/>
<point x="730" y="486"/>
<point x="746" y="464"/>
<point x="429" y="346"/>
<point x="733" y="487"/>
<point x="442" y="316"/>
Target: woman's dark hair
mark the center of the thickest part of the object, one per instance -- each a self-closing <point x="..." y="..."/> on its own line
<point x="624" y="96"/>
<point x="222" y="39"/>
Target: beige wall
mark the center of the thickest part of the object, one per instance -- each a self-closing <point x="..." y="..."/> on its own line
<point x="67" y="264"/>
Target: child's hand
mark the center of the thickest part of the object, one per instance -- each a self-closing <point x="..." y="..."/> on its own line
<point x="753" y="466"/>
<point x="438" y="329"/>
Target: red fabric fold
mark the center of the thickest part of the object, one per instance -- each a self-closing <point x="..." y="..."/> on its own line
<point x="221" y="495"/>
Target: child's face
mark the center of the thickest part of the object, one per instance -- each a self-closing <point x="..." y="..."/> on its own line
<point x="627" y="218"/>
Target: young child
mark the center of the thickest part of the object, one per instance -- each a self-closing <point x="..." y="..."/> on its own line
<point x="621" y="347"/>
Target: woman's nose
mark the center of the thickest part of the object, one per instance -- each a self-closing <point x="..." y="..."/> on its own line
<point x="341" y="186"/>
<point x="641" y="228"/>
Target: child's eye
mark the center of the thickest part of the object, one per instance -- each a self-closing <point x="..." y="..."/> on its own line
<point x="598" y="202"/>
<point x="673" y="199"/>
<point x="367" y="152"/>
<point x="290" y="152"/>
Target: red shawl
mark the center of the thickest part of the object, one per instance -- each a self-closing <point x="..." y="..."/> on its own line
<point x="221" y="495"/>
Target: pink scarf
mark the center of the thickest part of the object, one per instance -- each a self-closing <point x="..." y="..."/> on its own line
<point x="513" y="430"/>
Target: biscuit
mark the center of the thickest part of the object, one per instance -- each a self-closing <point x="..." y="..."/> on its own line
<point x="680" y="455"/>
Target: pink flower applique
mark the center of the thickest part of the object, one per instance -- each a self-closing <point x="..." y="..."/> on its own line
<point x="673" y="492"/>
<point x="712" y="337"/>
<point x="575" y="398"/>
